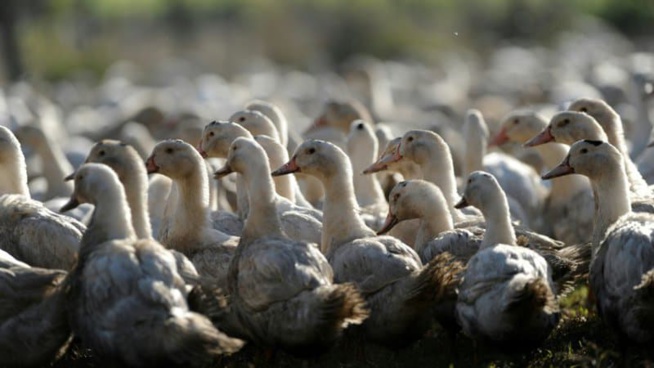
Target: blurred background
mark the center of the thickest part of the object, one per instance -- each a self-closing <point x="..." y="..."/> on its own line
<point x="430" y="53"/>
<point x="54" y="39"/>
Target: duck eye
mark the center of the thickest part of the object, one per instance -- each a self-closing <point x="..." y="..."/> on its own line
<point x="241" y="119"/>
<point x="169" y="150"/>
<point x="469" y="181"/>
<point x="583" y="109"/>
<point x="396" y="196"/>
<point x="234" y="148"/>
<point x="410" y="139"/>
<point x="583" y="150"/>
<point x="211" y="134"/>
<point x="516" y="121"/>
<point x="360" y="126"/>
<point x="101" y="153"/>
<point x="311" y="151"/>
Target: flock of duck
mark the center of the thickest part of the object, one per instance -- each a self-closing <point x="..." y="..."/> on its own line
<point x="150" y="254"/>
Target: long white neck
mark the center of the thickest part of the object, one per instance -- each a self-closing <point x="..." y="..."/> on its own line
<point x="439" y="170"/>
<point x="341" y="221"/>
<point x="433" y="221"/>
<point x="262" y="219"/>
<point x="499" y="229"/>
<point x="565" y="187"/>
<point x="475" y="152"/>
<point x="111" y="216"/>
<point x="55" y="168"/>
<point x="14" y="176"/>
<point x="284" y="184"/>
<point x="188" y="219"/>
<point x="611" y="193"/>
<point x="136" y="189"/>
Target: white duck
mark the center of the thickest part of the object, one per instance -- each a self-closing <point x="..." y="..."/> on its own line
<point x="522" y="185"/>
<point x="507" y="296"/>
<point x="28" y="230"/>
<point x="362" y="149"/>
<point x="127" y="163"/>
<point x="398" y="289"/>
<point x="55" y="164"/>
<point x="622" y="269"/>
<point x="297" y="225"/>
<point x="276" y="116"/>
<point x="34" y="328"/>
<point x="186" y="226"/>
<point x="569" y="206"/>
<point x="126" y="298"/>
<point x="303" y="312"/>
<point x="612" y="125"/>
<point x="428" y="150"/>
<point x="569" y="126"/>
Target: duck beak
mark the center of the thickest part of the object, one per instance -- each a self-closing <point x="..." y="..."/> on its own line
<point x="382" y="162"/>
<point x="70" y="177"/>
<point x="499" y="139"/>
<point x="463" y="203"/>
<point x="376" y="167"/>
<point x="151" y="166"/>
<point x="542" y="138"/>
<point x="563" y="169"/>
<point x="222" y="172"/>
<point x="72" y="203"/>
<point x="288" y="168"/>
<point x="391" y="221"/>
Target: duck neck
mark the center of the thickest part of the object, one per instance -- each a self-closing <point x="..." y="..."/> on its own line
<point x="410" y="171"/>
<point x="55" y="168"/>
<point x="499" y="229"/>
<point x="565" y="187"/>
<point x="439" y="169"/>
<point x="190" y="216"/>
<point x="284" y="186"/>
<point x="14" y="179"/>
<point x="111" y="218"/>
<point x="611" y="193"/>
<point x="475" y="152"/>
<point x="367" y="189"/>
<point x="341" y="221"/>
<point x="433" y="221"/>
<point x="262" y="219"/>
<point x="136" y="189"/>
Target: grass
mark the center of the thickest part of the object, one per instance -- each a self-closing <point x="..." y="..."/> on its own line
<point x="581" y="340"/>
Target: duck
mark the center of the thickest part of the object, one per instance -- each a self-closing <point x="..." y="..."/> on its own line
<point x="428" y="150"/>
<point x="276" y="116"/>
<point x="125" y="297"/>
<point x="186" y="226"/>
<point x="297" y="225"/>
<point x="125" y="160"/>
<point x="215" y="142"/>
<point x="303" y="313"/>
<point x="362" y="148"/>
<point x="520" y="182"/>
<point x="55" y="164"/>
<point x="423" y="201"/>
<point x="34" y="328"/>
<point x="256" y="123"/>
<point x="570" y="126"/>
<point x="29" y="231"/>
<point x="507" y="297"/>
<point x="398" y="289"/>
<point x="622" y="267"/>
<point x="569" y="206"/>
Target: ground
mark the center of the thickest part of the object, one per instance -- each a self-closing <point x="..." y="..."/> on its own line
<point x="580" y="340"/>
